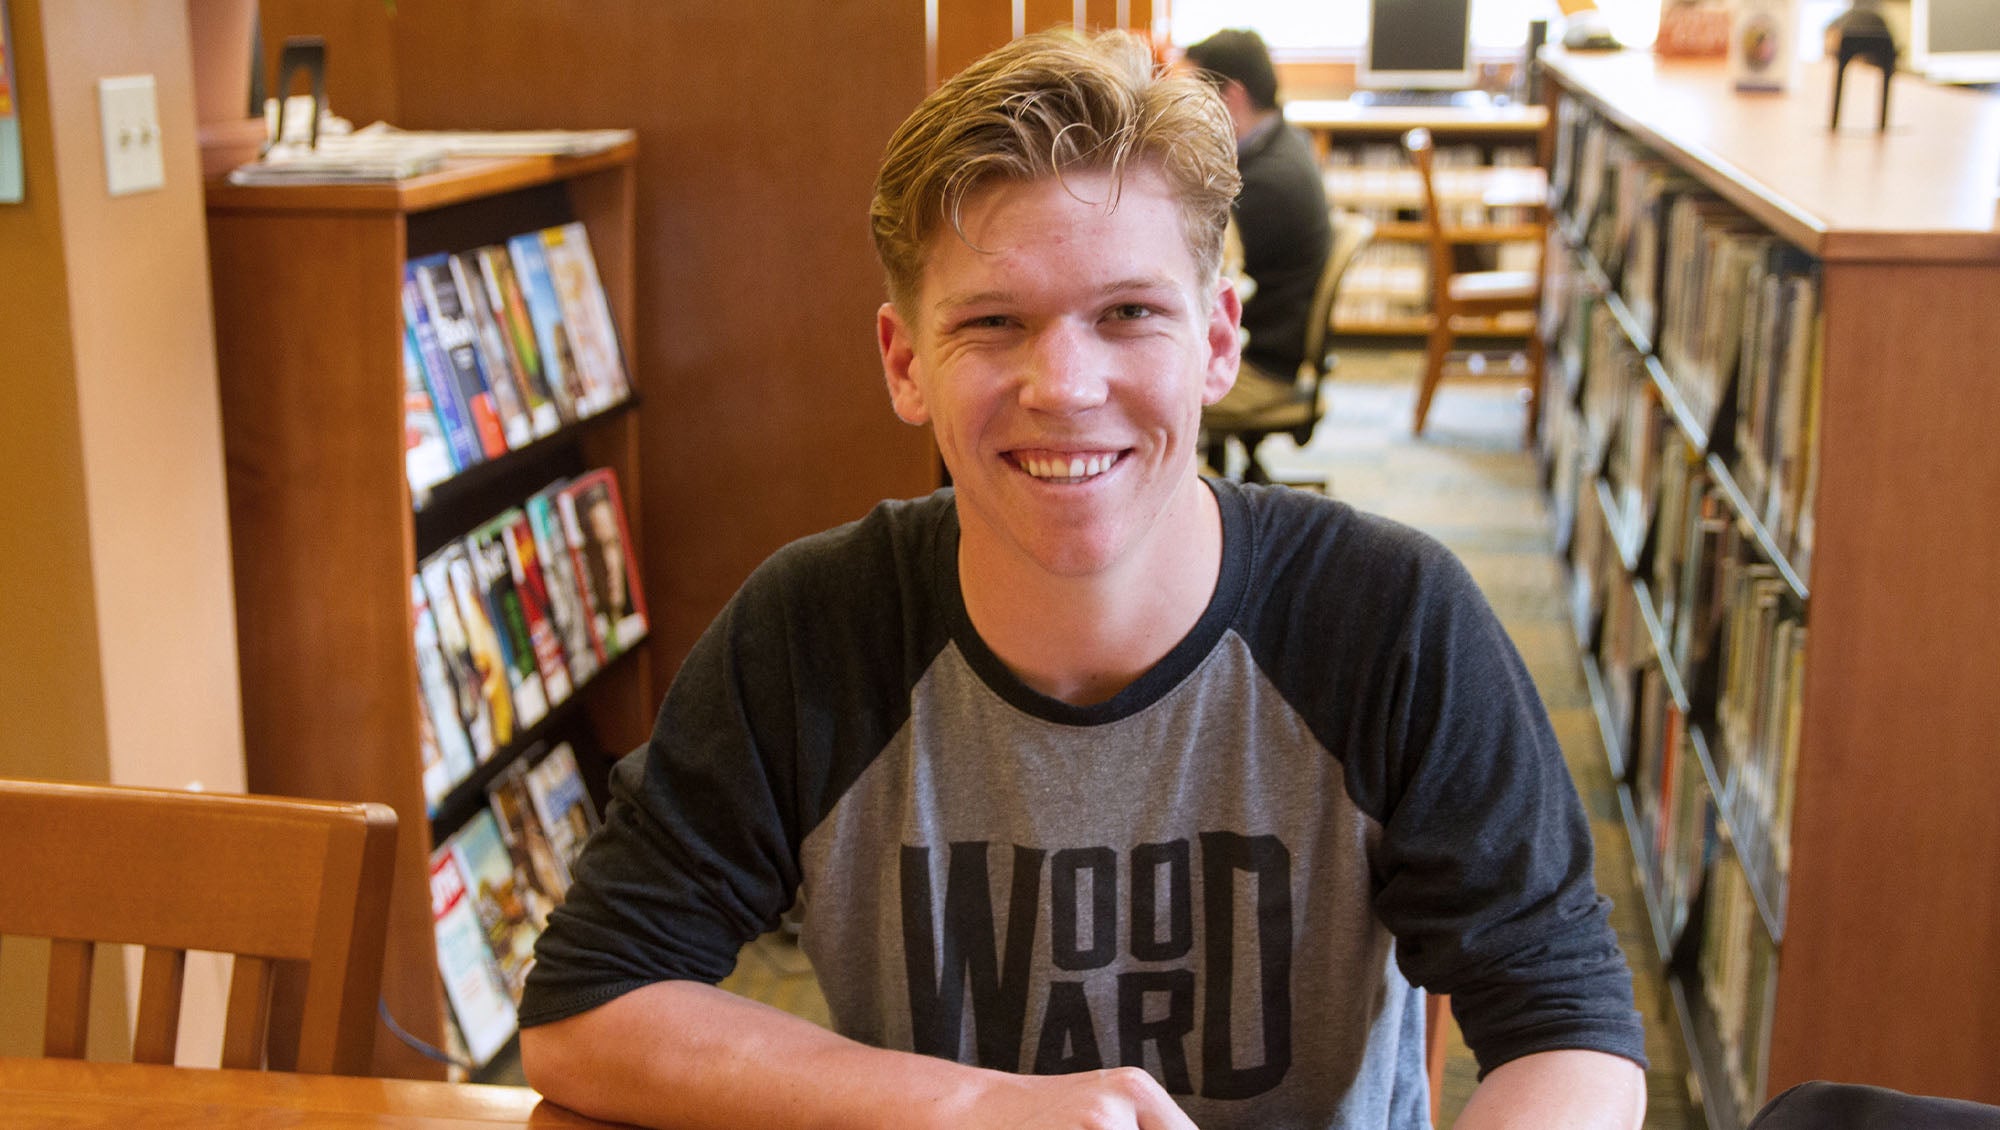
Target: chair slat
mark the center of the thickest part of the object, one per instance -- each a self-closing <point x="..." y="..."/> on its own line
<point x="159" y="1027"/>
<point x="68" y="1025"/>
<point x="249" y="1014"/>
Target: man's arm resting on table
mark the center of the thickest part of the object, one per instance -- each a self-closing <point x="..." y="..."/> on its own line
<point x="1558" y="1090"/>
<point x="681" y="1055"/>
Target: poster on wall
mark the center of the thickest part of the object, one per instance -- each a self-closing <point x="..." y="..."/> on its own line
<point x="10" y="119"/>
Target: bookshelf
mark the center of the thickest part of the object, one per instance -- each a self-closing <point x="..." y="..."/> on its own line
<point x="1770" y="468"/>
<point x="307" y="283"/>
<point x="1487" y="177"/>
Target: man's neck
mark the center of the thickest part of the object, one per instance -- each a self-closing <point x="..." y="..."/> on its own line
<point x="1253" y="124"/>
<point x="1082" y="640"/>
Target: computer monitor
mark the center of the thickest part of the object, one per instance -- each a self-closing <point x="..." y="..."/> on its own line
<point x="1955" y="40"/>
<point x="1417" y="45"/>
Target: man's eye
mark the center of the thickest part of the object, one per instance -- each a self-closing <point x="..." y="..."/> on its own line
<point x="985" y="322"/>
<point x="1131" y="311"/>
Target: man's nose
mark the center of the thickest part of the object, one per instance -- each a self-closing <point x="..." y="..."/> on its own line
<point x="1067" y="371"/>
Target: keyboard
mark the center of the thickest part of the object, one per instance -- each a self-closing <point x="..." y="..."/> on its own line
<point x="1422" y="99"/>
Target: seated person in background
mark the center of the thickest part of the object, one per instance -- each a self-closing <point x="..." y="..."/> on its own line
<point x="1281" y="214"/>
<point x="1085" y="828"/>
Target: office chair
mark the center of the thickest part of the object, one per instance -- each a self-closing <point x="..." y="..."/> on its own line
<point x="1466" y="294"/>
<point x="1297" y="410"/>
<point x="297" y="891"/>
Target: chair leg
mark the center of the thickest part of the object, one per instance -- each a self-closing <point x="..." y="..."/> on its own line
<point x="1253" y="471"/>
<point x="1537" y="358"/>
<point x="1434" y="354"/>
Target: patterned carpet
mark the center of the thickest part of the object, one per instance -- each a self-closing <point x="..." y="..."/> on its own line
<point x="1470" y="484"/>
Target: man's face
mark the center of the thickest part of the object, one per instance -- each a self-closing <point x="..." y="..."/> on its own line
<point x="1063" y="366"/>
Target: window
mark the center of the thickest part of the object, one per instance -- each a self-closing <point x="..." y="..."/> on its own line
<point x="1307" y="28"/>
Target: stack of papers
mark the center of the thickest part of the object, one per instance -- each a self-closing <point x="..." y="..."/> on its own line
<point x="382" y="152"/>
<point x="508" y="143"/>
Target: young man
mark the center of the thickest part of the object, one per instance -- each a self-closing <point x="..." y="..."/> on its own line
<point x="1086" y="828"/>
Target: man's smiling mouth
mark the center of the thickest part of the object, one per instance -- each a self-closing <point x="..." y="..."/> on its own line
<point x="1067" y="468"/>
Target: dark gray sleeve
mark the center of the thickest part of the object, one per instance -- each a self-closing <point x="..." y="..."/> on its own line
<point x="778" y="707"/>
<point x="1483" y="871"/>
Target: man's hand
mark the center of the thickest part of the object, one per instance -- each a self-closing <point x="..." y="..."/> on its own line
<point x="1120" y="1098"/>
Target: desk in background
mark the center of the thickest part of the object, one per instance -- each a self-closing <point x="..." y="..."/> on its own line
<point x="1489" y="155"/>
<point x="43" y="1094"/>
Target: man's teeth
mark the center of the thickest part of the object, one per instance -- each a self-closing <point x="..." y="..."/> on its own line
<point x="1075" y="467"/>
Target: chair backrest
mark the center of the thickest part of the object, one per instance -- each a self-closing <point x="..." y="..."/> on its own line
<point x="1417" y="143"/>
<point x="1351" y="233"/>
<point x="297" y="890"/>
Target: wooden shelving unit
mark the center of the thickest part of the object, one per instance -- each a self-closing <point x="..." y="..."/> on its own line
<point x="1392" y="198"/>
<point x="1886" y="926"/>
<point x="325" y="536"/>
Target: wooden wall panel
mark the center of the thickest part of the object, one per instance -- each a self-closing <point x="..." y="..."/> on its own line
<point x="1039" y="15"/>
<point x="760" y="128"/>
<point x="115" y="560"/>
<point x="967" y="29"/>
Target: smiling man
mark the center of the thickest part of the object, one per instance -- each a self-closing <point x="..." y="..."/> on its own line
<point x="1108" y="796"/>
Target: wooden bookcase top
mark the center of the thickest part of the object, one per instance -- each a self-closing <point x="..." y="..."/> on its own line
<point x="1352" y="120"/>
<point x="459" y="181"/>
<point x="1905" y="194"/>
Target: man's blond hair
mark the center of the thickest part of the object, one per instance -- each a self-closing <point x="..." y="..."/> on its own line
<point x="1052" y="104"/>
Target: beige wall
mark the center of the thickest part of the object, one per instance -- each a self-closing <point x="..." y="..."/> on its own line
<point x="116" y="531"/>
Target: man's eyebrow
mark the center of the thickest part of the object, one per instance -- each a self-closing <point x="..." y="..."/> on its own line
<point x="952" y="303"/>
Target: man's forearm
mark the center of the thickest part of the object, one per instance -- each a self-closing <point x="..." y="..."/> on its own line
<point x="1559" y="1090"/>
<point x="685" y="1056"/>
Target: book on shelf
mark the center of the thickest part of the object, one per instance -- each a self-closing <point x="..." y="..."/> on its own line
<point x="593" y="335"/>
<point x="454" y="413"/>
<point x="510" y="312"/>
<point x="486" y="546"/>
<point x="511" y="909"/>
<point x="553" y="339"/>
<point x="482" y="642"/>
<point x="572" y="617"/>
<point x="514" y="809"/>
<point x="1686" y="836"/>
<point x="1680" y="471"/>
<point x="531" y="587"/>
<point x="473" y="987"/>
<point x="448" y="754"/>
<point x="601" y="552"/>
<point x="427" y="458"/>
<point x="440" y="304"/>
<point x="496" y="363"/>
<point x="1737" y="970"/>
<point x="563" y="805"/>
<point x="1711" y="250"/>
<point x="469" y="691"/>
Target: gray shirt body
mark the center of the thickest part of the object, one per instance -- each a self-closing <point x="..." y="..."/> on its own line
<point x="1341" y="782"/>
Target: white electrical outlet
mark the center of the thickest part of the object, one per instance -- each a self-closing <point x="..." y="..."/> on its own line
<point x="131" y="113"/>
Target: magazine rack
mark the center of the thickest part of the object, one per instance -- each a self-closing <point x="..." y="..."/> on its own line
<point x="324" y="534"/>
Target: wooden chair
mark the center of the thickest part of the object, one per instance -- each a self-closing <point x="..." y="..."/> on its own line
<point x="1457" y="294"/>
<point x="1295" y="409"/>
<point x="1437" y="1014"/>
<point x="297" y="890"/>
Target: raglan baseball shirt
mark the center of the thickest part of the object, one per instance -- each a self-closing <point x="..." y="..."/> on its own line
<point x="1339" y="786"/>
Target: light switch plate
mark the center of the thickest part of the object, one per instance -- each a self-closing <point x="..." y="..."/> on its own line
<point x="131" y="112"/>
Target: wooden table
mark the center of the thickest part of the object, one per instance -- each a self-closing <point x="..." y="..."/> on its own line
<point x="43" y="1094"/>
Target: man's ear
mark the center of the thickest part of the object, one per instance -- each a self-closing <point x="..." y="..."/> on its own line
<point x="899" y="365"/>
<point x="1225" y="342"/>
